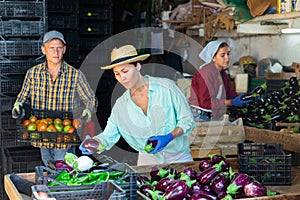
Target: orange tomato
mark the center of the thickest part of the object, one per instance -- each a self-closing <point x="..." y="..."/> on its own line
<point x="76" y="123"/>
<point x="71" y="130"/>
<point x="42" y="127"/>
<point x="32" y="119"/>
<point x="49" y="121"/>
<point x="66" y="122"/>
<point x="26" y="122"/>
<point x="43" y="121"/>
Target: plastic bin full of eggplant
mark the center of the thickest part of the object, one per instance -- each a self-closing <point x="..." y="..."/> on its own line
<point x="279" y="105"/>
<point x="212" y="179"/>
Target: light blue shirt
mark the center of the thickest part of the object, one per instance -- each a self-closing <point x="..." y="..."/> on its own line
<point x="167" y="109"/>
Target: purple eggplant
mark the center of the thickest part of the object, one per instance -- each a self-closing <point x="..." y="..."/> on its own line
<point x="205" y="164"/>
<point x="254" y="189"/>
<point x="224" y="196"/>
<point x="215" y="159"/>
<point x="60" y="164"/>
<point x="163" y="184"/>
<point x="209" y="174"/>
<point x="195" y="187"/>
<point x="239" y="181"/>
<point x="150" y="145"/>
<point x="206" y="193"/>
<point x="207" y="188"/>
<point x="141" y="180"/>
<point x="171" y="172"/>
<point x="144" y="189"/>
<point x="220" y="183"/>
<point x="158" y="173"/>
<point x="198" y="196"/>
<point x="177" y="191"/>
<point x="191" y="172"/>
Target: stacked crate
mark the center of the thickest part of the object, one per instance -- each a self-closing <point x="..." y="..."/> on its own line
<point x="63" y="17"/>
<point x="22" y="26"/>
<point x="96" y="25"/>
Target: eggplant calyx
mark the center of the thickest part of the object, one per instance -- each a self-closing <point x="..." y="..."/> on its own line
<point x="233" y="188"/>
<point x="187" y="179"/>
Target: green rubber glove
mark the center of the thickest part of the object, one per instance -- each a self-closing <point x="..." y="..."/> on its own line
<point x="18" y="111"/>
<point x="88" y="114"/>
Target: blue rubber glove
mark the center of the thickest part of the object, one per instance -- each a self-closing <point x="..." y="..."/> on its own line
<point x="83" y="143"/>
<point x="162" y="141"/>
<point x="237" y="101"/>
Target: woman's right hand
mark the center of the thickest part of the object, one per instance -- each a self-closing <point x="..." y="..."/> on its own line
<point x="237" y="101"/>
<point x="89" y="146"/>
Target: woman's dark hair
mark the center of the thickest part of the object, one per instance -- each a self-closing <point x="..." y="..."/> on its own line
<point x="134" y="63"/>
<point x="223" y="44"/>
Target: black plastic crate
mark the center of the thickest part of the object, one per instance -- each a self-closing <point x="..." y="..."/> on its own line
<point x="71" y="38"/>
<point x="100" y="191"/>
<point x="9" y="138"/>
<point x="63" y="21"/>
<point x="10" y="86"/>
<point x="20" y="48"/>
<point x="96" y="2"/>
<point x="14" y="67"/>
<point x="128" y="182"/>
<point x="91" y="43"/>
<point x="6" y="121"/>
<point x="96" y="28"/>
<point x="274" y="85"/>
<point x="95" y="13"/>
<point x="266" y="162"/>
<point x="58" y="6"/>
<point x="7" y="102"/>
<point x="48" y="139"/>
<point x="17" y="28"/>
<point x="22" y="9"/>
<point x="22" y="159"/>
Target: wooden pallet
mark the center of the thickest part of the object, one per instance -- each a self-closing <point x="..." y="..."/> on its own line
<point x="289" y="140"/>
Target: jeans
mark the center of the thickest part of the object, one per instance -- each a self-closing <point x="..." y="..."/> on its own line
<point x="52" y="154"/>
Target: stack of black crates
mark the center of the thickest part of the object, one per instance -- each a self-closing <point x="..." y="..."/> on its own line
<point x="63" y="16"/>
<point x="22" y="25"/>
<point x="96" y="25"/>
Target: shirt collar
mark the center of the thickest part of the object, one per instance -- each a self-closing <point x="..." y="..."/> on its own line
<point x="127" y="92"/>
<point x="63" y="68"/>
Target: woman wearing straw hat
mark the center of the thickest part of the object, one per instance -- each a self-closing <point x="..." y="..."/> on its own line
<point x="150" y="106"/>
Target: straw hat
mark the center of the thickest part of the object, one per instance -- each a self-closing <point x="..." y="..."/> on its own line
<point x="123" y="55"/>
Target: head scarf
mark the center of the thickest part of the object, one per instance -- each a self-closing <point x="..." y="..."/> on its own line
<point x="210" y="50"/>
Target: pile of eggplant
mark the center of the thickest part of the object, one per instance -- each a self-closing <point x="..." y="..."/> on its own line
<point x="213" y="180"/>
<point x="279" y="105"/>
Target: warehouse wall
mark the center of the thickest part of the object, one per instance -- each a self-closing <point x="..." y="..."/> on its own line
<point x="285" y="47"/>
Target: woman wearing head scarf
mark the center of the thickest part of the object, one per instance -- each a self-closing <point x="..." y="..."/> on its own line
<point x="151" y="108"/>
<point x="211" y="87"/>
